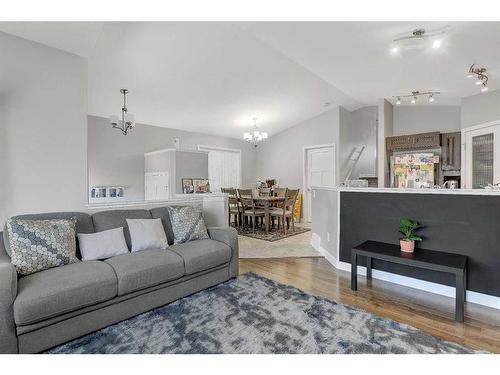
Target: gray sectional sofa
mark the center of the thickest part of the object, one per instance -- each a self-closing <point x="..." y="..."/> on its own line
<point x="47" y="308"/>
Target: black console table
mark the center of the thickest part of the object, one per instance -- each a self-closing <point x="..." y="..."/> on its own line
<point x="427" y="259"/>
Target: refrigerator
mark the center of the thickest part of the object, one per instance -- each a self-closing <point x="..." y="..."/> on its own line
<point x="414" y="170"/>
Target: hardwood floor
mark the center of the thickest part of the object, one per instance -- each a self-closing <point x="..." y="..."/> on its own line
<point x="427" y="311"/>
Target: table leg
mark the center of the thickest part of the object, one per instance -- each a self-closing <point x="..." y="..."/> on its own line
<point x="460" y="297"/>
<point x="266" y="215"/>
<point x="368" y="268"/>
<point x="354" y="271"/>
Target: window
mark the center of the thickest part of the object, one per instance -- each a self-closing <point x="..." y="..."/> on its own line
<point x="224" y="167"/>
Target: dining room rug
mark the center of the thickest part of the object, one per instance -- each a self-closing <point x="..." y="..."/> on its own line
<point x="253" y="314"/>
<point x="273" y="235"/>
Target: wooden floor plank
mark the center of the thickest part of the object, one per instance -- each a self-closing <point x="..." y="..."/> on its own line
<point x="429" y="312"/>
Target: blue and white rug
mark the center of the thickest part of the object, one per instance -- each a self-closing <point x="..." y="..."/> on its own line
<point x="252" y="314"/>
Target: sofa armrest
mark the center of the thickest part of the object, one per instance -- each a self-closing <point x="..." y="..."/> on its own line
<point x="229" y="236"/>
<point x="8" y="293"/>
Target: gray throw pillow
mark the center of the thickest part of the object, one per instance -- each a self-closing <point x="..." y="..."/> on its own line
<point x="187" y="223"/>
<point x="37" y="245"/>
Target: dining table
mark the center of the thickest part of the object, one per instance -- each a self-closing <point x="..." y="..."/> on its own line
<point x="266" y="202"/>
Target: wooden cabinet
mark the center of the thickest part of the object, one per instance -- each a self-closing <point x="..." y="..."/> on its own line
<point x="413" y="141"/>
<point x="450" y="151"/>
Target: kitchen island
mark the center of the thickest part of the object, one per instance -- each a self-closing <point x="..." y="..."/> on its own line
<point x="465" y="222"/>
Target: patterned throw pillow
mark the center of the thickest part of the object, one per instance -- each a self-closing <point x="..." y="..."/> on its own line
<point x="37" y="245"/>
<point x="187" y="223"/>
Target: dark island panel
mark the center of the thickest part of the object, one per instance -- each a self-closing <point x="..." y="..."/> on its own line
<point x="461" y="224"/>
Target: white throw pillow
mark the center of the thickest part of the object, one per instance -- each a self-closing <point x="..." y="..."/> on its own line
<point x="102" y="245"/>
<point x="147" y="234"/>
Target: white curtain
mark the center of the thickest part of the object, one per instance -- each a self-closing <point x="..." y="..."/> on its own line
<point x="223" y="168"/>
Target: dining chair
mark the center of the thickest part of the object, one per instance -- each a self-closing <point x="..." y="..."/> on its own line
<point x="286" y="211"/>
<point x="264" y="192"/>
<point x="233" y="205"/>
<point x="248" y="207"/>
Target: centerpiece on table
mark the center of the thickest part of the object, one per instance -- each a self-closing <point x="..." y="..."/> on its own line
<point x="408" y="229"/>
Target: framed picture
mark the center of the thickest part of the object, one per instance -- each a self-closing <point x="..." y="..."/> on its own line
<point x="201" y="185"/>
<point x="187" y="186"/>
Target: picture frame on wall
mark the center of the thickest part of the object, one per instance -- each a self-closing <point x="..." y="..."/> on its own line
<point x="187" y="186"/>
<point x="201" y="185"/>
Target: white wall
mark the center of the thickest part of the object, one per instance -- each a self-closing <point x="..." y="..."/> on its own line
<point x="358" y="128"/>
<point x="43" y="128"/>
<point x="480" y="108"/>
<point x="117" y="159"/>
<point x="423" y="119"/>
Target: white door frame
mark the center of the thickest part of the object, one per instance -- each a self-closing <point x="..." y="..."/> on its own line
<point x="463" y="157"/>
<point x="305" y="149"/>
<point x="235" y="150"/>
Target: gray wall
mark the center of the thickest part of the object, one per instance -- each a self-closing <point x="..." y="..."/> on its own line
<point x="429" y="118"/>
<point x="281" y="157"/>
<point x="190" y="165"/>
<point x="358" y="128"/>
<point x="480" y="108"/>
<point x="43" y="128"/>
<point x="324" y="220"/>
<point x="385" y="129"/>
<point x="115" y="159"/>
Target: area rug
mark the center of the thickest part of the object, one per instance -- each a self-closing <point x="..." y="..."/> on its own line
<point x="252" y="314"/>
<point x="273" y="235"/>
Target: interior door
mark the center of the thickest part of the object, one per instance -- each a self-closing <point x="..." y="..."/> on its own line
<point x="320" y="172"/>
<point x="482" y="157"/>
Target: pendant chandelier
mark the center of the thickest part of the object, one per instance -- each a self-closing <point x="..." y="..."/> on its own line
<point x="256" y="136"/>
<point x="126" y="123"/>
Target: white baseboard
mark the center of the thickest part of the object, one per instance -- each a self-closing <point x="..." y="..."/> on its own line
<point x="444" y="290"/>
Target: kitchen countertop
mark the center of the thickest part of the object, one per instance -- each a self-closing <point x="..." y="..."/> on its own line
<point x="412" y="191"/>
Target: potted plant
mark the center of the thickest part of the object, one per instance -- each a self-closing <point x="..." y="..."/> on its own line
<point x="408" y="229"/>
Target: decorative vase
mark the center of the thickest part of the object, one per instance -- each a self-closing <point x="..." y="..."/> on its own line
<point x="407" y="246"/>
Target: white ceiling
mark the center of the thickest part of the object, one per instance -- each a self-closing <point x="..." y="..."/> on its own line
<point x="214" y="77"/>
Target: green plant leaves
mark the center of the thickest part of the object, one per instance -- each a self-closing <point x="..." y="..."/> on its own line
<point x="407" y="228"/>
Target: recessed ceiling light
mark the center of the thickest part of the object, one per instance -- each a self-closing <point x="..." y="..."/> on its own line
<point x="394" y="50"/>
<point x="436" y="43"/>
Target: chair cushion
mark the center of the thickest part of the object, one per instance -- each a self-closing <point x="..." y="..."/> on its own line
<point x="60" y="290"/>
<point x="143" y="269"/>
<point x="105" y="220"/>
<point x="202" y="255"/>
<point x="279" y="211"/>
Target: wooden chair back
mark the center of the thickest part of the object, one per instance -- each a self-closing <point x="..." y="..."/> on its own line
<point x="264" y="192"/>
<point x="229" y="191"/>
<point x="291" y="199"/>
<point x="280" y="192"/>
<point x="245" y="197"/>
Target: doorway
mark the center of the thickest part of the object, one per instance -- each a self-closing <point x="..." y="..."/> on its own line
<point x="318" y="170"/>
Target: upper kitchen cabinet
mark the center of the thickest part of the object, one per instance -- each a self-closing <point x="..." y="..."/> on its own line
<point x="450" y="151"/>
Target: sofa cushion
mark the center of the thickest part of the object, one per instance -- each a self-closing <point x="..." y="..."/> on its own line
<point x="118" y="218"/>
<point x="83" y="223"/>
<point x="37" y="245"/>
<point x="187" y="223"/>
<point x="144" y="269"/>
<point x="59" y="290"/>
<point x="162" y="213"/>
<point x="202" y="255"/>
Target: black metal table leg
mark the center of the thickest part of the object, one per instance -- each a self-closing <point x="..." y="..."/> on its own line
<point x="368" y="268"/>
<point x="460" y="296"/>
<point x="354" y="271"/>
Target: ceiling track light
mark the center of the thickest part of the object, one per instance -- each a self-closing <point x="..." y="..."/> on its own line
<point x="415" y="95"/>
<point x="419" y="38"/>
<point x="481" y="77"/>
